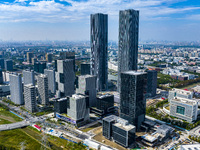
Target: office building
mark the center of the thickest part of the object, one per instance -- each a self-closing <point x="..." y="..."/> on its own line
<point x="105" y="104"/>
<point x="99" y="49"/>
<point x="180" y="93"/>
<point x="183" y="108"/>
<point x="9" y="65"/>
<point x="39" y="67"/>
<point x="78" y="109"/>
<point x="30" y="55"/>
<point x="4" y="90"/>
<point x="1" y="76"/>
<point x="29" y="77"/>
<point x="120" y="130"/>
<point x="49" y="57"/>
<point x="43" y="89"/>
<point x="65" y="77"/>
<point x="67" y="55"/>
<point x="16" y="90"/>
<point x="51" y="80"/>
<point x="128" y="41"/>
<point x="151" y="82"/>
<point x="85" y="69"/>
<point x="30" y="98"/>
<point x="2" y="64"/>
<point x="132" y="97"/>
<point x="87" y="86"/>
<point x="60" y="105"/>
<point x="34" y="60"/>
<point x="190" y="147"/>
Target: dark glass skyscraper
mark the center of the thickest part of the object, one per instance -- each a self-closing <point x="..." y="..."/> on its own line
<point x="132" y="97"/>
<point x="128" y="41"/>
<point x="151" y="82"/>
<point x="99" y="49"/>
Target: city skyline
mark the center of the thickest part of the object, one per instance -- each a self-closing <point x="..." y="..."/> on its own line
<point x="69" y="20"/>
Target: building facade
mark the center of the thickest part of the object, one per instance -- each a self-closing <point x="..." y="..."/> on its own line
<point x="128" y="41"/>
<point x="1" y="76"/>
<point x="30" y="55"/>
<point x="99" y="49"/>
<point x="9" y="65"/>
<point x="16" y="90"/>
<point x="60" y="105"/>
<point x="49" y="57"/>
<point x="30" y="98"/>
<point x="151" y="82"/>
<point x="29" y="77"/>
<point x="85" y="69"/>
<point x="39" y="67"/>
<point x="132" y="97"/>
<point x="51" y="80"/>
<point x="43" y="94"/>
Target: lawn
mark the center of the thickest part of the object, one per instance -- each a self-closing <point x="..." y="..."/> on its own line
<point x="4" y="121"/>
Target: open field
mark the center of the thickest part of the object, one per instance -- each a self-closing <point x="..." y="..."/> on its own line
<point x="92" y="127"/>
<point x="190" y="86"/>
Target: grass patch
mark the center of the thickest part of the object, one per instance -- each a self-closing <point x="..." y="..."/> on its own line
<point x="4" y="121"/>
<point x="9" y="114"/>
<point x="92" y="127"/>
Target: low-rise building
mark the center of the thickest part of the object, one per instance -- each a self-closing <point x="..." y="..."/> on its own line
<point x="180" y="93"/>
<point x="4" y="90"/>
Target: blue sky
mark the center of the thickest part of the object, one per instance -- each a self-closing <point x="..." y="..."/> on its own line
<point x="172" y="20"/>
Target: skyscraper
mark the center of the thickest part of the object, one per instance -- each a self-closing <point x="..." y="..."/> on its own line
<point x="132" y="97"/>
<point x="2" y="64"/>
<point x="99" y="46"/>
<point x="1" y="76"/>
<point x="9" y="65"/>
<point x="30" y="97"/>
<point x="128" y="41"/>
<point x="29" y="77"/>
<point x="87" y="86"/>
<point x="65" y="77"/>
<point x="151" y="82"/>
<point x="51" y="80"/>
<point x="16" y="88"/>
<point x="67" y="55"/>
<point x="49" y="57"/>
<point x="30" y="55"/>
<point x="43" y="89"/>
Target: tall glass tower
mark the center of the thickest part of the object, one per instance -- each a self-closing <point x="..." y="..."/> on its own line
<point x="128" y="41"/>
<point x="99" y="49"/>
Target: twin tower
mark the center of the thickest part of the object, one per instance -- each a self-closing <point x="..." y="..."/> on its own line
<point x="127" y="46"/>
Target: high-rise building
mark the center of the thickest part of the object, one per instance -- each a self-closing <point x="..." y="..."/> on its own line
<point x="29" y="77"/>
<point x="43" y="89"/>
<point x="1" y="76"/>
<point x="30" y="97"/>
<point x="34" y="60"/>
<point x="51" y="80"/>
<point x="87" y="86"/>
<point x="9" y="65"/>
<point x="65" y="77"/>
<point x="99" y="49"/>
<point x="151" y="82"/>
<point x="49" y="57"/>
<point x="60" y="105"/>
<point x="132" y="97"/>
<point x="78" y="109"/>
<point x="16" y="90"/>
<point x="39" y="67"/>
<point x="67" y="55"/>
<point x="128" y="41"/>
<point x="2" y="64"/>
<point x="85" y="69"/>
<point x="30" y="55"/>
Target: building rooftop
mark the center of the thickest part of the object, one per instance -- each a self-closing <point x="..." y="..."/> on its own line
<point x="110" y="118"/>
<point x="101" y="96"/>
<point x="62" y="99"/>
<point x="165" y="128"/>
<point x="185" y="101"/>
<point x="77" y="96"/>
<point x="134" y="72"/>
<point x="191" y="147"/>
<point x="126" y="127"/>
<point x="86" y="76"/>
<point x="180" y="91"/>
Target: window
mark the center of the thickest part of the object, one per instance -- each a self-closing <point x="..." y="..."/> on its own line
<point x="180" y="110"/>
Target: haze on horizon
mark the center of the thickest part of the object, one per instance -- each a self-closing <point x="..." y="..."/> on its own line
<point x="172" y="20"/>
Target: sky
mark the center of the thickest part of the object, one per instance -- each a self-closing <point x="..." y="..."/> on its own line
<point x="171" y="20"/>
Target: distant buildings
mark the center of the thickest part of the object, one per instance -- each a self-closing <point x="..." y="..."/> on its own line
<point x="85" y="69"/>
<point x="132" y="97"/>
<point x="51" y="80"/>
<point x="28" y="77"/>
<point x="2" y="64"/>
<point x="128" y="41"/>
<point x="186" y="109"/>
<point x="65" y="78"/>
<point x="30" y="98"/>
<point x="119" y="129"/>
<point x="151" y="82"/>
<point x="87" y="86"/>
<point x="9" y="65"/>
<point x="16" y="90"/>
<point x="30" y="55"/>
<point x="43" y="89"/>
<point x="49" y="57"/>
<point x="1" y="76"/>
<point x="99" y="51"/>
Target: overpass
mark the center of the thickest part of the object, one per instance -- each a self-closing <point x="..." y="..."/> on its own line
<point x="14" y="125"/>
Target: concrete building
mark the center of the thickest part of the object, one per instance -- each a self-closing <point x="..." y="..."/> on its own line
<point x="29" y="77"/>
<point x="87" y="86"/>
<point x="65" y="77"/>
<point x="151" y="82"/>
<point x="85" y="69"/>
<point x="78" y="109"/>
<point x="30" y="97"/>
<point x="99" y="49"/>
<point x="180" y="93"/>
<point x="51" y="80"/>
<point x="183" y="108"/>
<point x="9" y="65"/>
<point x="49" y="57"/>
<point x="128" y="41"/>
<point x="132" y="97"/>
<point x="119" y="129"/>
<point x="30" y="55"/>
<point x="43" y="94"/>
<point x="60" y="105"/>
<point x="16" y="90"/>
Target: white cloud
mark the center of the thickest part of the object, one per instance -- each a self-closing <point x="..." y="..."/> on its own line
<point x="51" y="11"/>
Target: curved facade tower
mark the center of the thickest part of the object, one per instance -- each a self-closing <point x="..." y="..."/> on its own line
<point x="99" y="49"/>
